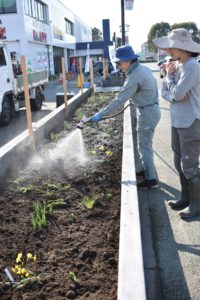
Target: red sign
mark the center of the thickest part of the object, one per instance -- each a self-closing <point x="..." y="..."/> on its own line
<point x="2" y="33"/>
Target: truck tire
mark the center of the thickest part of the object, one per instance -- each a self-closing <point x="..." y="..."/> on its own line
<point x="36" y="104"/>
<point x="6" y="112"/>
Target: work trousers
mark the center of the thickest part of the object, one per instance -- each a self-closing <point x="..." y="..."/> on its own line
<point x="146" y="121"/>
<point x="185" y="144"/>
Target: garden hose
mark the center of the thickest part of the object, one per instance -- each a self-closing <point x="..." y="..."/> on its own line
<point x="84" y="120"/>
<point x="118" y="113"/>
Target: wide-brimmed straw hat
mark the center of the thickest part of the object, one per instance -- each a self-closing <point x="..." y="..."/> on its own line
<point x="179" y="38"/>
<point x="125" y="53"/>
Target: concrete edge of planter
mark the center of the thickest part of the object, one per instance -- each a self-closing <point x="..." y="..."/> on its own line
<point x="131" y="278"/>
<point x="14" y="154"/>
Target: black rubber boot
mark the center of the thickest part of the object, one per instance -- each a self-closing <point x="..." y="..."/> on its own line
<point x="184" y="201"/>
<point x="194" y="208"/>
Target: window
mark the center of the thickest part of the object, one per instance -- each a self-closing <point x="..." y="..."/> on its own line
<point x="8" y="6"/>
<point x="2" y="58"/>
<point x="69" y="26"/>
<point x="36" y="9"/>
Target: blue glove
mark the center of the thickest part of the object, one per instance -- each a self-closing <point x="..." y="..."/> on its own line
<point x="96" y="118"/>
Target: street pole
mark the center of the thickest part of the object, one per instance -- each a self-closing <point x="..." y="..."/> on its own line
<point x="123" y="22"/>
<point x="123" y="29"/>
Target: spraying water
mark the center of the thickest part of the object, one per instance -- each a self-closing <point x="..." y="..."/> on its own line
<point x="70" y="149"/>
<point x="68" y="154"/>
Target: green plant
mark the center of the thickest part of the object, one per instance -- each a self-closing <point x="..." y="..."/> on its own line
<point x="48" y="190"/>
<point x="65" y="125"/>
<point x="54" y="136"/>
<point x="79" y="113"/>
<point x="73" y="277"/>
<point x="107" y="152"/>
<point x="98" y="266"/>
<point x="50" y="206"/>
<point x="19" y="180"/>
<point x="108" y="195"/>
<point x="52" y="186"/>
<point x="22" y="268"/>
<point x="102" y="178"/>
<point x="26" y="189"/>
<point x="89" y="202"/>
<point x="38" y="218"/>
<point x="41" y="210"/>
<point x="72" y="218"/>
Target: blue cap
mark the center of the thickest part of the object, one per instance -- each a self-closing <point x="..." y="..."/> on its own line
<point x="125" y="53"/>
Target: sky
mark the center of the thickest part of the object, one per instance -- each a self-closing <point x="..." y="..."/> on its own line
<point x="144" y="15"/>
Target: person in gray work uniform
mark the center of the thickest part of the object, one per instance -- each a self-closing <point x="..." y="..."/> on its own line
<point x="140" y="87"/>
<point x="181" y="87"/>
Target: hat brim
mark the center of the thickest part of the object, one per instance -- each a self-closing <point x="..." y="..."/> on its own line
<point x="126" y="58"/>
<point x="166" y="43"/>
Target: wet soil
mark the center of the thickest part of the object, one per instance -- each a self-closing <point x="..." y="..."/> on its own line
<point x="77" y="249"/>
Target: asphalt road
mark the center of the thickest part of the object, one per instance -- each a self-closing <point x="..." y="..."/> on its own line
<point x="19" y="123"/>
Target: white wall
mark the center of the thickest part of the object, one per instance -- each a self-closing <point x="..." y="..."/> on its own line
<point x="34" y="39"/>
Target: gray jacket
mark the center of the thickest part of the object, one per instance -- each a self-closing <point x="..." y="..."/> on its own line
<point x="140" y="86"/>
<point x="186" y="80"/>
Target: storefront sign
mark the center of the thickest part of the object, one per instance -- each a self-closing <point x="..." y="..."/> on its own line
<point x="57" y="33"/>
<point x="39" y="36"/>
<point x="2" y="33"/>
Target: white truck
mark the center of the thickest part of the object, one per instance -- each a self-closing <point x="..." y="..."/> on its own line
<point x="12" y="89"/>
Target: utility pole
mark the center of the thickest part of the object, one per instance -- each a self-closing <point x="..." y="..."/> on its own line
<point x="123" y="22"/>
<point x="123" y="29"/>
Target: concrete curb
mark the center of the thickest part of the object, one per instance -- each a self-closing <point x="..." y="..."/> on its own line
<point x="131" y="282"/>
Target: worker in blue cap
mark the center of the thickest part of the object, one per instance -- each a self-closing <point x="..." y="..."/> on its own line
<point x="140" y="87"/>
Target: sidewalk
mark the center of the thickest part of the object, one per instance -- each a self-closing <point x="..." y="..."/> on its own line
<point x="176" y="242"/>
<point x="53" y="87"/>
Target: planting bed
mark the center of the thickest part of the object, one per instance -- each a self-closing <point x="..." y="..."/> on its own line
<point x="76" y="239"/>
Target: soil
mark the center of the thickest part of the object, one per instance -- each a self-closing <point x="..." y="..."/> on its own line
<point x="76" y="239"/>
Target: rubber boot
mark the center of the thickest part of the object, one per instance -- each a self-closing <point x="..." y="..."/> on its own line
<point x="184" y="201"/>
<point x="194" y="208"/>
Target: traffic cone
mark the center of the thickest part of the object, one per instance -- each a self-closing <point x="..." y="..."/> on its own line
<point x="80" y="80"/>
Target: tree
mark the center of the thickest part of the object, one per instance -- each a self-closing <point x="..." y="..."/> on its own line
<point x="156" y="31"/>
<point x="189" y="26"/>
<point x="163" y="28"/>
<point x="96" y="35"/>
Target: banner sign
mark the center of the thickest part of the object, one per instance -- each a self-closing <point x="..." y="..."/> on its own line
<point x="128" y="4"/>
<point x="87" y="62"/>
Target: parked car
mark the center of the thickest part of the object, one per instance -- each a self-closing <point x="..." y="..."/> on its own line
<point x="98" y="67"/>
<point x="162" y="64"/>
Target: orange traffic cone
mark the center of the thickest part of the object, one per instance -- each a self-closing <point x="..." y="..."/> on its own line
<point x="80" y="80"/>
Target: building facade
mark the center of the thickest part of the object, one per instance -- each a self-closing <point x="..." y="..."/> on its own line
<point x="147" y="54"/>
<point x="43" y="31"/>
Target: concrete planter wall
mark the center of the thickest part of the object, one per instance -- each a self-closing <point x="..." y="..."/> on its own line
<point x="13" y="155"/>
